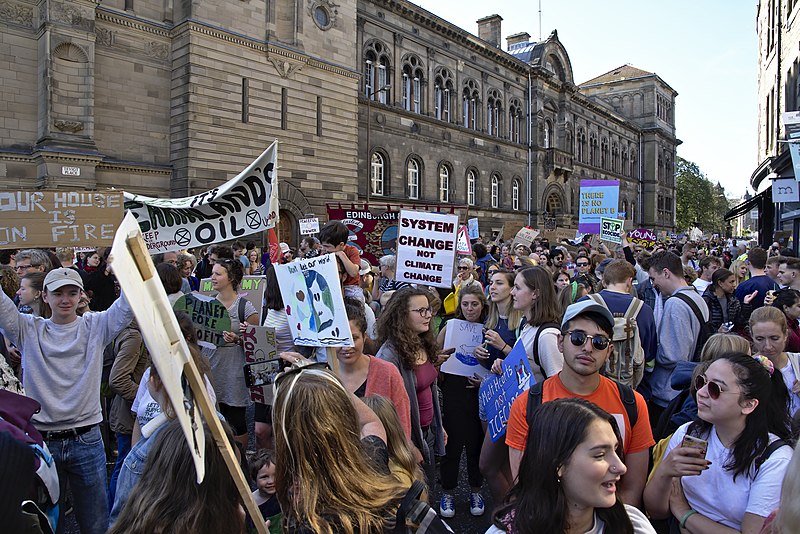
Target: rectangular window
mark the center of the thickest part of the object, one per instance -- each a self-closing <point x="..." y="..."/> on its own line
<point x="284" y="108"/>
<point x="466" y="112"/>
<point x="437" y="102"/>
<point x="471" y="191"/>
<point x="245" y="100"/>
<point x="417" y="91"/>
<point x="382" y="77"/>
<point x="446" y="106"/>
<point x="368" y="74"/>
<point x="319" y="116"/>
<point x="406" y="93"/>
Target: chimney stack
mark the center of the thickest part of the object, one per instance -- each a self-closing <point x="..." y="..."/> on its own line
<point x="517" y="38"/>
<point x="489" y="29"/>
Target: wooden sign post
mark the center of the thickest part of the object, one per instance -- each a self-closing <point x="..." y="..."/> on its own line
<point x="170" y="354"/>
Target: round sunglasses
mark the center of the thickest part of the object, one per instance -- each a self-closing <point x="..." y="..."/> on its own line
<point x="713" y="388"/>
<point x="578" y="338"/>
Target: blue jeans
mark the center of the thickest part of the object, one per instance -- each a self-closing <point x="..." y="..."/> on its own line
<point x="123" y="448"/>
<point x="81" y="460"/>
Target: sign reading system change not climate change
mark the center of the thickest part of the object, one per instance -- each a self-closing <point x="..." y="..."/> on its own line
<point x="426" y="248"/>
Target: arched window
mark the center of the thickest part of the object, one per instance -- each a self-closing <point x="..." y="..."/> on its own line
<point x="593" y="150"/>
<point x="443" y="94"/>
<point x="604" y="153"/>
<point x="472" y="180"/>
<point x="495" y="191"/>
<point x="625" y="167"/>
<point x="633" y="164"/>
<point x="377" y="174"/>
<point x="444" y="183"/>
<point x="412" y="182"/>
<point x="413" y="76"/>
<point x="470" y="98"/>
<point x="615" y="157"/>
<point x="554" y="205"/>
<point x="376" y="72"/>
<point x="515" y="195"/>
<point x="547" y="139"/>
<point x="581" y="146"/>
<point x="569" y="142"/>
<point x="514" y="121"/>
<point x="493" y="111"/>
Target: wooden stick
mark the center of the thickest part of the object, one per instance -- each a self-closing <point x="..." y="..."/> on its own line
<point x="333" y="361"/>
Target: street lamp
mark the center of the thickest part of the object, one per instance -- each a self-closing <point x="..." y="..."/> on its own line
<point x="369" y="128"/>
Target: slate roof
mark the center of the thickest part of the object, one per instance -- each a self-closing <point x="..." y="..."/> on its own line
<point x="522" y="51"/>
<point x="625" y="72"/>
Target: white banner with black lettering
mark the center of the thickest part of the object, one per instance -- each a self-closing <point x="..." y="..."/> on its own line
<point x="241" y="206"/>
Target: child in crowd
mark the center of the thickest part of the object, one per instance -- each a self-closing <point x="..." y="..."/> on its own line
<point x="333" y="237"/>
<point x="262" y="470"/>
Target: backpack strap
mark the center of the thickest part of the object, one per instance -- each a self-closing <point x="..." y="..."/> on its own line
<point x="772" y="447"/>
<point x="241" y="309"/>
<point x="419" y="513"/>
<point x="406" y="504"/>
<point x="634" y="308"/>
<point x="598" y="298"/>
<point x="542" y="326"/>
<point x="628" y="399"/>
<point x="534" y="400"/>
<point x="688" y="300"/>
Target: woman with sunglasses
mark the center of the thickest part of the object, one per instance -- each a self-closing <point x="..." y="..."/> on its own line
<point x="569" y="475"/>
<point x="460" y="418"/>
<point x="466" y="275"/>
<point x="407" y="341"/>
<point x="769" y="331"/>
<point x="227" y="363"/>
<point x="730" y="480"/>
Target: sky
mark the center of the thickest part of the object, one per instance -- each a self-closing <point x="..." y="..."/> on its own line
<point x="706" y="50"/>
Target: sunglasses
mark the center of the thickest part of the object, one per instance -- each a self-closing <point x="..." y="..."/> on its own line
<point x="713" y="388"/>
<point x="582" y="264"/>
<point x="578" y="338"/>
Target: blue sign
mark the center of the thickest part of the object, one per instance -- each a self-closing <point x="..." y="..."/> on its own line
<point x="498" y="392"/>
<point x="599" y="198"/>
<point x="472" y="228"/>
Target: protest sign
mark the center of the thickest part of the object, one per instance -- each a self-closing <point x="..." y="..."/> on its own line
<point x="309" y="226"/>
<point x="246" y="204"/>
<point x="426" y="248"/>
<point x="464" y="336"/>
<point x="263" y="363"/>
<point x="373" y="233"/>
<point x="525" y="236"/>
<point x="472" y="225"/>
<point x="45" y="219"/>
<point x="498" y="392"/>
<point x="785" y="190"/>
<point x="170" y="354"/>
<point x="463" y="246"/>
<point x="642" y="237"/>
<point x="556" y="235"/>
<point x="315" y="308"/>
<point x="599" y="198"/>
<point x="209" y="316"/>
<point x="252" y="288"/>
<point x="611" y="230"/>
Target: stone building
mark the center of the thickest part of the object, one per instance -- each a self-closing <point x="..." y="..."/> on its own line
<point x="373" y="101"/>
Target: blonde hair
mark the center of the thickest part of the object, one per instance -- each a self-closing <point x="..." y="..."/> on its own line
<point x="735" y="270"/>
<point x="514" y="316"/>
<point x="402" y="462"/>
<point x="323" y="479"/>
<point x="719" y="344"/>
<point x="769" y="314"/>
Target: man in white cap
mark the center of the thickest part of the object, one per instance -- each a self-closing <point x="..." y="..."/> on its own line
<point x="585" y="341"/>
<point x="62" y="359"/>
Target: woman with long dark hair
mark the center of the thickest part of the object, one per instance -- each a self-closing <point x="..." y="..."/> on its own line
<point x="723" y="305"/>
<point x="406" y="340"/>
<point x="731" y="478"/>
<point x="568" y="476"/>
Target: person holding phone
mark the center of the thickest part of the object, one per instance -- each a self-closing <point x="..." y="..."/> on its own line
<point x="742" y="405"/>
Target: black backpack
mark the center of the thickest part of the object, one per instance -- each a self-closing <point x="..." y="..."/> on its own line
<point x="666" y="426"/>
<point x="626" y="395"/>
<point x="706" y="330"/>
<point x="416" y="516"/>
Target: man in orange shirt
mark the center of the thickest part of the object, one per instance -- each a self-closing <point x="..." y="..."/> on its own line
<point x="586" y="330"/>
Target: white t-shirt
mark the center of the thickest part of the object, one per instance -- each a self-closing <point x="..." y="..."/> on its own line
<point x="641" y="525"/>
<point x="549" y="356"/>
<point x="789" y="378"/>
<point x="714" y="494"/>
<point x="701" y="285"/>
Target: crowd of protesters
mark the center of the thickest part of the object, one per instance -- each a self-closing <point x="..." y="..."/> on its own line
<point x="664" y="396"/>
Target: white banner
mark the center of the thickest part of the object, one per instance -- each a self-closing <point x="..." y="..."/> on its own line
<point x="426" y="248"/>
<point x="241" y="206"/>
<point x="309" y="226"/>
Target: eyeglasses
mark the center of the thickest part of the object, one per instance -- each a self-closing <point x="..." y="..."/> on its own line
<point x="22" y="267"/>
<point x="423" y="311"/>
<point x="578" y="338"/>
<point x="713" y="388"/>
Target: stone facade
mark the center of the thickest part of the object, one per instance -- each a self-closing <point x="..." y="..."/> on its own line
<point x="169" y="98"/>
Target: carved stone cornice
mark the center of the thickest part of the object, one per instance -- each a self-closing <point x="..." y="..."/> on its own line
<point x="16" y="13"/>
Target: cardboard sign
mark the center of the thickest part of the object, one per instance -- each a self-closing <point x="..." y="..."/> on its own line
<point x="426" y="248"/>
<point x="169" y="351"/>
<point x="309" y="226"/>
<point x="472" y="225"/>
<point x="246" y="204"/>
<point x="611" y="230"/>
<point x="557" y="235"/>
<point x="208" y="314"/>
<point x="463" y="336"/>
<point x="463" y="246"/>
<point x="251" y="288"/>
<point x="315" y="307"/>
<point x="525" y="236"/>
<point x="785" y="190"/>
<point x="260" y="349"/>
<point x="599" y="198"/>
<point x="498" y="392"/>
<point x="642" y="237"/>
<point x="45" y="219"/>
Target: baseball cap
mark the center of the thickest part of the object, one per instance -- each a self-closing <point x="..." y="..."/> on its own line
<point x="584" y="306"/>
<point x="364" y="267"/>
<point x="61" y="277"/>
<point x="284" y="248"/>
